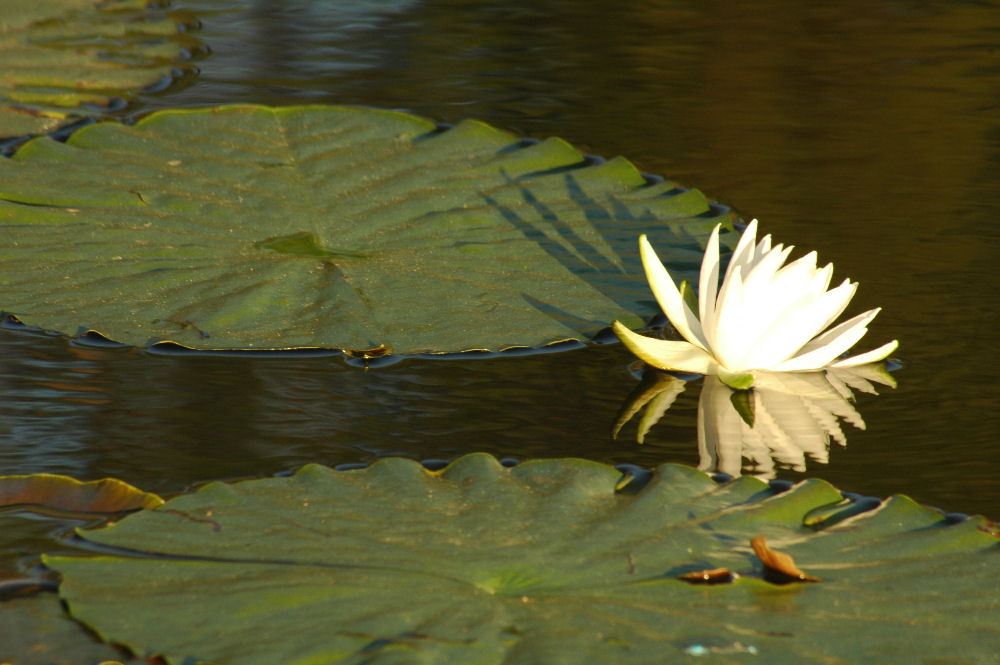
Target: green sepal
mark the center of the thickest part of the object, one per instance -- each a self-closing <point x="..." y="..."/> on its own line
<point x="688" y="296"/>
<point x="736" y="380"/>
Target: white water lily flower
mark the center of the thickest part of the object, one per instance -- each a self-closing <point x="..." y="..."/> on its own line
<point x="767" y="316"/>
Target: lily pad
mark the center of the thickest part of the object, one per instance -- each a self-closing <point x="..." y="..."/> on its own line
<point x="36" y="631"/>
<point x="248" y="227"/>
<point x="552" y="561"/>
<point x="62" y="59"/>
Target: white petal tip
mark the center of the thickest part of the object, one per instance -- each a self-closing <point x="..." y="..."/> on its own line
<point x="873" y="356"/>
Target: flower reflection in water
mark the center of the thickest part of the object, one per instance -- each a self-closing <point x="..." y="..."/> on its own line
<point x="784" y="418"/>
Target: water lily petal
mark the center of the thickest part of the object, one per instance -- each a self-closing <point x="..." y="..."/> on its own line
<point x="728" y="344"/>
<point x="760" y="281"/>
<point x="708" y="286"/>
<point x="793" y="287"/>
<point x="743" y="254"/>
<point x="793" y="330"/>
<point x="822" y="341"/>
<point x="772" y="293"/>
<point x="822" y="357"/>
<point x="668" y="296"/>
<point x="822" y="282"/>
<point x="802" y="276"/>
<point x="766" y="296"/>
<point x="881" y="353"/>
<point x="763" y="248"/>
<point x="666" y="354"/>
<point x="827" y="273"/>
<point x="828" y="347"/>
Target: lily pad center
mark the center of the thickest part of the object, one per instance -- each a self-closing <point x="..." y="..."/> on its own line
<point x="304" y="245"/>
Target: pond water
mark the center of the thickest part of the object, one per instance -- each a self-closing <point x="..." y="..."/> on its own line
<point x="869" y="131"/>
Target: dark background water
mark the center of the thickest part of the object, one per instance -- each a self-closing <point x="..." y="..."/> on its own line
<point x="869" y="131"/>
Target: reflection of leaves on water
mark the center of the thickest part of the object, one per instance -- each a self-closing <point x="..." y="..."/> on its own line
<point x="609" y="261"/>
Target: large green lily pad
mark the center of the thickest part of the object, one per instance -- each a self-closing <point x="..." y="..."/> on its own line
<point x="57" y="56"/>
<point x="247" y="227"/>
<point x="36" y="631"/>
<point x="554" y="561"/>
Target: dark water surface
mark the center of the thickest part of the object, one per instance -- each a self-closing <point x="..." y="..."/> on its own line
<point x="869" y="131"/>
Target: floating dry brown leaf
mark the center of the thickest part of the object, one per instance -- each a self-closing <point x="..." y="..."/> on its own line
<point x="779" y="567"/>
<point x="712" y="576"/>
<point x="53" y="493"/>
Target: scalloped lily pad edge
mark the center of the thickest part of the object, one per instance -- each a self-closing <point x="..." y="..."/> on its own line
<point x="180" y="71"/>
<point x="774" y="567"/>
<point x="370" y="358"/>
<point x="633" y="480"/>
